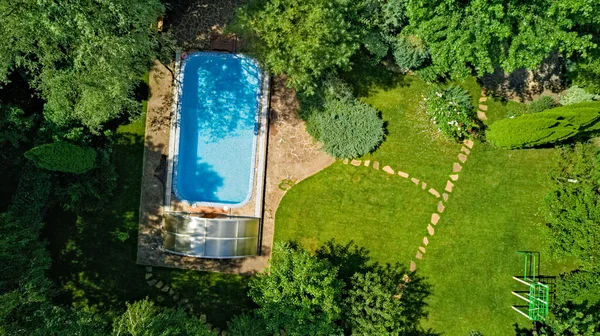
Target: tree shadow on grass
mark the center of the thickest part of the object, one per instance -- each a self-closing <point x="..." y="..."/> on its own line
<point x="365" y="76"/>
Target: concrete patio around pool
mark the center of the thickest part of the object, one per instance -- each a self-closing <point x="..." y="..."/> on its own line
<point x="291" y="156"/>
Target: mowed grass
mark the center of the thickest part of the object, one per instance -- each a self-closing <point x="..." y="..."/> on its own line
<point x="493" y="212"/>
<point x="386" y="213"/>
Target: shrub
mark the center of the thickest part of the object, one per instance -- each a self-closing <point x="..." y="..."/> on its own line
<point x="579" y="287"/>
<point x="574" y="95"/>
<point x="548" y="127"/>
<point x="410" y="52"/>
<point x="347" y="127"/>
<point x="451" y="110"/>
<point x="542" y="104"/>
<point x="63" y="157"/>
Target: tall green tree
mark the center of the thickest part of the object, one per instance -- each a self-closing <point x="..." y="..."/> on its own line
<point x="477" y="36"/>
<point x="84" y="57"/>
<point x="299" y="294"/>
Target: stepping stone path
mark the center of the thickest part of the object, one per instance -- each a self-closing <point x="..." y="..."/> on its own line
<point x="376" y="165"/>
<point x="403" y="174"/>
<point x="367" y="162"/>
<point x="449" y="186"/>
<point x="160" y="285"/>
<point x="482" y="107"/>
<point x="345" y="161"/>
<point x="388" y="170"/>
<point x="355" y="162"/>
<point x="423" y="185"/>
<point x="435" y="217"/>
<point x="415" y="180"/>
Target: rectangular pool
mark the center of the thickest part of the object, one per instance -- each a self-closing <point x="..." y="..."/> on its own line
<point x="217" y="128"/>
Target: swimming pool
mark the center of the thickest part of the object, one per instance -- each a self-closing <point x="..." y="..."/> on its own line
<point x="217" y="128"/>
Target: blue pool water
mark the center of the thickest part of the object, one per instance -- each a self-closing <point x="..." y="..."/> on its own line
<point x="218" y="124"/>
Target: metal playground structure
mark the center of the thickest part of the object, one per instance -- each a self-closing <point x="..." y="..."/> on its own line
<point x="537" y="295"/>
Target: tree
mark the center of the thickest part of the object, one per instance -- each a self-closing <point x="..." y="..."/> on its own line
<point x="298" y="293"/>
<point x="84" y="57"/>
<point x="302" y="38"/>
<point x="63" y="157"/>
<point x="573" y="205"/>
<point x="143" y="318"/>
<point x="480" y="36"/>
<point x="386" y="301"/>
<point x="547" y="127"/>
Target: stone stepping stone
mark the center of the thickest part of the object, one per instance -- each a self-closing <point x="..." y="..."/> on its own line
<point x="345" y="161"/>
<point x="454" y="177"/>
<point x="430" y="230"/>
<point x="445" y="197"/>
<point x="148" y="268"/>
<point x="355" y="162"/>
<point x="148" y="276"/>
<point x="159" y="284"/>
<point x="469" y="143"/>
<point x="415" y="180"/>
<point x="435" y="218"/>
<point x="419" y="255"/>
<point x="422" y="249"/>
<point x="423" y="185"/>
<point x="462" y="157"/>
<point x="376" y="165"/>
<point x="388" y="170"/>
<point x="434" y="192"/>
<point x="449" y="186"/>
<point x="465" y="150"/>
<point x="152" y="282"/>
<point x="367" y="163"/>
<point x="456" y="167"/>
<point x="440" y="207"/>
<point x="425" y="241"/>
<point x="483" y="107"/>
<point x="403" y="174"/>
<point x="483" y="99"/>
<point x="413" y="266"/>
<point x="481" y="115"/>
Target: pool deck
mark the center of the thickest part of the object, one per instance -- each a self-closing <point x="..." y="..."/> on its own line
<point x="288" y="151"/>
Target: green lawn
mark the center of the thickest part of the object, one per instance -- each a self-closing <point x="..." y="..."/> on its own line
<point x="492" y="212"/>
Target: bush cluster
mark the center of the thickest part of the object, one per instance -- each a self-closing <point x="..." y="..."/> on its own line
<point x="410" y="52"/>
<point x="63" y="157"/>
<point x="548" y="127"/>
<point x="347" y="127"/>
<point x="575" y="95"/>
<point x="452" y="111"/>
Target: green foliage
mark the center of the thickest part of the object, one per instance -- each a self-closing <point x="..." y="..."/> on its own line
<point x="84" y="57"/>
<point x="574" y="95"/>
<point x="574" y="320"/>
<point x="247" y="325"/>
<point x="298" y="293"/>
<point x="63" y="157"/>
<point x="474" y="333"/>
<point x="479" y="36"/>
<point x="410" y="52"/>
<point x="580" y="287"/>
<point x="143" y="318"/>
<point x="347" y="127"/>
<point x="548" y="127"/>
<point x="15" y="125"/>
<point x="573" y="205"/>
<point x="386" y="301"/>
<point x="452" y="111"/>
<point x="303" y="39"/>
<point x="542" y="104"/>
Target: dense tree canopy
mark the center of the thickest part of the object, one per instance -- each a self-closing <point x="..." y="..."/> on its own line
<point x="85" y="57"/>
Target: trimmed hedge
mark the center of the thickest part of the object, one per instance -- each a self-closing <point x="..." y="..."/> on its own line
<point x="547" y="127"/>
<point x="63" y="157"/>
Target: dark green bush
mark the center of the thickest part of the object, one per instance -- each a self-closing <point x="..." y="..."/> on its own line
<point x="451" y="111"/>
<point x="347" y="127"/>
<point x="542" y="104"/>
<point x="410" y="52"/>
<point x="63" y="157"/>
<point x="548" y="127"/>
<point x="579" y="287"/>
